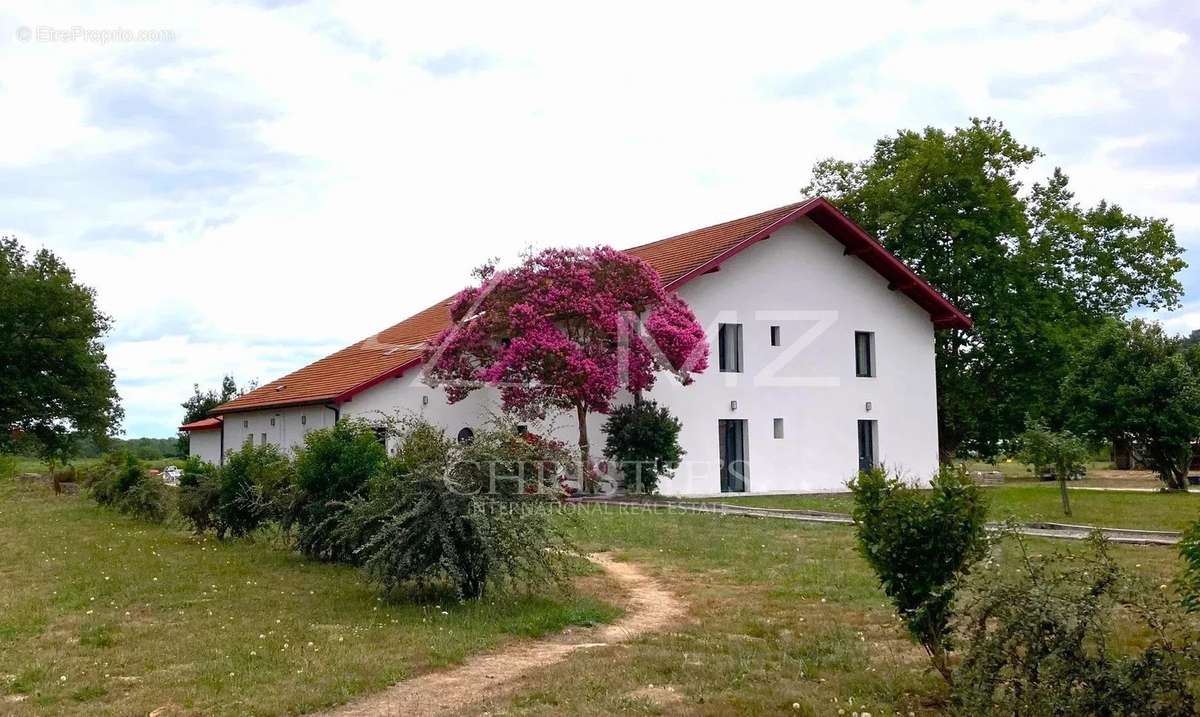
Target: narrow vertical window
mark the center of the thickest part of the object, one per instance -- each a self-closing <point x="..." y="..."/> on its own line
<point x="779" y="428"/>
<point x="774" y="335"/>
<point x="249" y="439"/>
<point x="864" y="353"/>
<point x="264" y="439"/>
<point x="729" y="347"/>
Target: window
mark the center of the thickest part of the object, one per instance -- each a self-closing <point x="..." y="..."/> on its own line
<point x="779" y="428"/>
<point x="864" y="354"/>
<point x="264" y="439"/>
<point x="868" y="442"/>
<point x="729" y="347"/>
<point x="303" y="420"/>
<point x="775" y="336"/>
<point x="381" y="435"/>
<point x="272" y="422"/>
<point x="466" y="435"/>
<point x="249" y="439"/>
<point x="522" y="429"/>
<point x="245" y="424"/>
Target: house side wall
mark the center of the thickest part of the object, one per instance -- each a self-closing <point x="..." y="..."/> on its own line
<point x="800" y="280"/>
<point x="206" y="445"/>
<point x="290" y="426"/>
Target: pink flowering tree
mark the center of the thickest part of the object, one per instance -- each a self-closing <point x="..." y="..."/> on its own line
<point x="566" y="329"/>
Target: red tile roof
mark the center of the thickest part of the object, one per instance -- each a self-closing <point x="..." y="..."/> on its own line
<point x="677" y="259"/>
<point x="202" y="425"/>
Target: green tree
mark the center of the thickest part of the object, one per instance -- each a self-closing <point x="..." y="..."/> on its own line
<point x="1132" y="381"/>
<point x="55" y="382"/>
<point x="1036" y="271"/>
<point x="1063" y="453"/>
<point x="201" y="402"/>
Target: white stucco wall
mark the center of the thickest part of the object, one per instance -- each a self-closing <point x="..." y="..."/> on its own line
<point x="206" y="445"/>
<point x="799" y="280"/>
<point x="284" y="427"/>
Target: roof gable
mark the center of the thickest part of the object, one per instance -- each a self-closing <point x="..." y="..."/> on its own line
<point x="678" y="259"/>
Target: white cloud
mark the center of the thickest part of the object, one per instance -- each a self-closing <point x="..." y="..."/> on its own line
<point x="312" y="173"/>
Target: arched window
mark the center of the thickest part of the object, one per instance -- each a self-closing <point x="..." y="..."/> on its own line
<point x="466" y="435"/>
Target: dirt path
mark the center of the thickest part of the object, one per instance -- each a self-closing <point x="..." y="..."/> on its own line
<point x="649" y="608"/>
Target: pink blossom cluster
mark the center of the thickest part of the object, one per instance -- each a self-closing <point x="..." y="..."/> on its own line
<point x="566" y="328"/>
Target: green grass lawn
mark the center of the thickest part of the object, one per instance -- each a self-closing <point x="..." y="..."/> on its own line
<point x="786" y="618"/>
<point x="1037" y="501"/>
<point x="103" y="615"/>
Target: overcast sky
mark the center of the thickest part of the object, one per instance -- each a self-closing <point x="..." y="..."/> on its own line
<point x="250" y="187"/>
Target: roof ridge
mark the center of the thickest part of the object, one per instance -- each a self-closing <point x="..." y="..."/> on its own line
<point x="756" y="215"/>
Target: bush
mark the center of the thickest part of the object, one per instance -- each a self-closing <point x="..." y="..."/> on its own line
<point x="473" y="515"/>
<point x="921" y="545"/>
<point x="334" y="465"/>
<point x="199" y="494"/>
<point x="255" y="483"/>
<point x="643" y="438"/>
<point x="1189" y="578"/>
<point x="120" y="482"/>
<point x="1039" y="642"/>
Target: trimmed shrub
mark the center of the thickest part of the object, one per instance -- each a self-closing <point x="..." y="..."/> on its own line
<point x="333" y="466"/>
<point x="254" y="483"/>
<point x="477" y="515"/>
<point x="921" y="544"/>
<point x="199" y="494"/>
<point x="1039" y="642"/>
<point x="643" y="439"/>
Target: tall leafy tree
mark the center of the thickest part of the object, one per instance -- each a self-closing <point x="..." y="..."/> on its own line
<point x="199" y="404"/>
<point x="561" y="332"/>
<point x="55" y="383"/>
<point x="1132" y="383"/>
<point x="1036" y="271"/>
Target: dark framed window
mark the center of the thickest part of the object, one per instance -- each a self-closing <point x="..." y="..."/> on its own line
<point x="729" y="347"/>
<point x="264" y="439"/>
<point x="466" y="435"/>
<point x="775" y="339"/>
<point x="864" y="354"/>
<point x="779" y="428"/>
<point x="868" y="445"/>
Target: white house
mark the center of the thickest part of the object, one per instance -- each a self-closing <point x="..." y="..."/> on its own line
<point x="821" y="361"/>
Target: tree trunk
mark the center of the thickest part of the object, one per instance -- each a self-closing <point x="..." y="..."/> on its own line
<point x="1062" y="487"/>
<point x="586" y="482"/>
<point x="54" y="478"/>
<point x="1178" y="479"/>
<point x="941" y="662"/>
